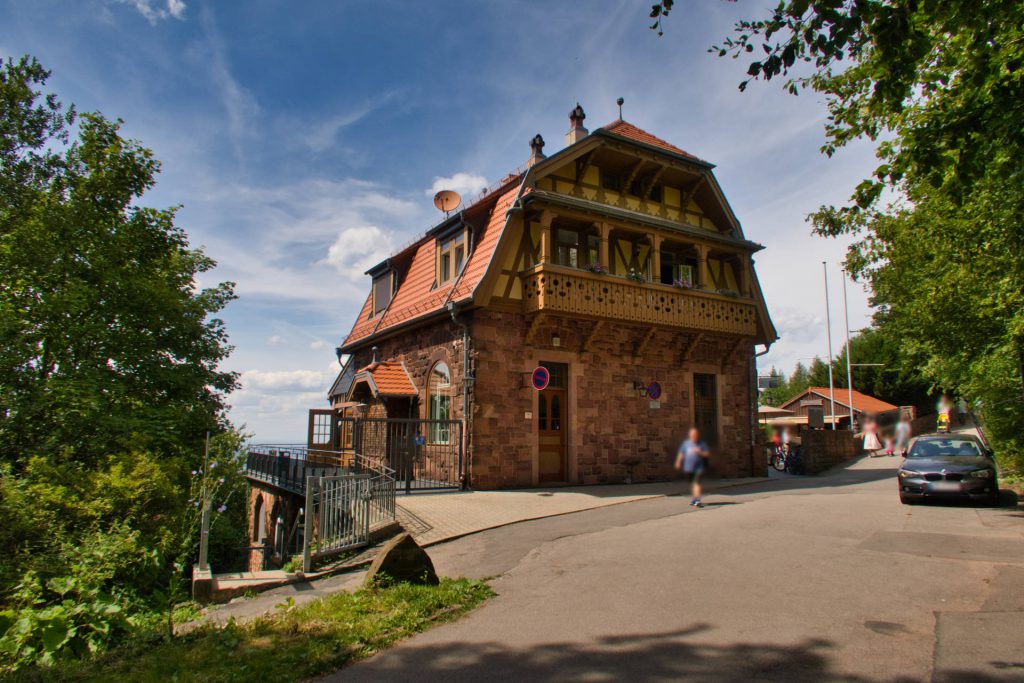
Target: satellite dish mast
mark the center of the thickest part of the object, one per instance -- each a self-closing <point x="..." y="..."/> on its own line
<point x="447" y="201"/>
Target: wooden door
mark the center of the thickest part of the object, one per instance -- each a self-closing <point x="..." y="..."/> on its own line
<point x="552" y="424"/>
<point x="705" y="407"/>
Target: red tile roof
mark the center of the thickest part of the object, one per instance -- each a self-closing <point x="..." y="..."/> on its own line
<point x="390" y="378"/>
<point x="416" y="295"/>
<point x="628" y="130"/>
<point x="862" y="403"/>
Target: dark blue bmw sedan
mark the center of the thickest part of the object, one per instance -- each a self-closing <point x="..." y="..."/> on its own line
<point x="948" y="466"/>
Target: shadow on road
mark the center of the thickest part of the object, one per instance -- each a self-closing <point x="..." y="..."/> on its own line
<point x="656" y="656"/>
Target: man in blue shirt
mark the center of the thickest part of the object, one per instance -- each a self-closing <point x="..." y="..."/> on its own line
<point x="692" y="461"/>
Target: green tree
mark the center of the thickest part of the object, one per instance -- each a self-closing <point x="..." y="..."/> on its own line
<point x="817" y="374"/>
<point x="106" y="340"/>
<point x="891" y="376"/>
<point x="109" y="383"/>
<point x="799" y="380"/>
<point x="775" y="395"/>
<point x="937" y="86"/>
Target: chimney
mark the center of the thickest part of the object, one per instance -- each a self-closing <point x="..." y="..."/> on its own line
<point x="376" y="355"/>
<point x="576" y="130"/>
<point x="537" y="150"/>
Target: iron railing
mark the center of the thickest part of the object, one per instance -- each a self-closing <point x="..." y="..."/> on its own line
<point x="423" y="454"/>
<point x="287" y="466"/>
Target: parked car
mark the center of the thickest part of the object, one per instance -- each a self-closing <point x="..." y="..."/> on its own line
<point x="955" y="466"/>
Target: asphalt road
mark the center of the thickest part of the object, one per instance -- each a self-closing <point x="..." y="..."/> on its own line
<point x="811" y="579"/>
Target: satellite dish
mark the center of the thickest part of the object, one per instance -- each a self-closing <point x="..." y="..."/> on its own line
<point x="447" y="201"/>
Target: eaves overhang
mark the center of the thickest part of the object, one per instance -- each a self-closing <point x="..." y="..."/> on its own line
<point x="599" y="209"/>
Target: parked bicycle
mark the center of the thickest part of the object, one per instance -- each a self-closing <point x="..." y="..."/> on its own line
<point x="786" y="459"/>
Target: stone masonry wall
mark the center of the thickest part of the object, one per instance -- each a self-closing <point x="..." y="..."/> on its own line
<point x="821" y="449"/>
<point x="420" y="349"/>
<point x="610" y="423"/>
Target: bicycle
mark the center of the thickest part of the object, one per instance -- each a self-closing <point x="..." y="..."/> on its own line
<point x="786" y="459"/>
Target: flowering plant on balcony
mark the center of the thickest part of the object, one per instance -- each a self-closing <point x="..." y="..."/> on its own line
<point x="636" y="276"/>
<point x="596" y="268"/>
<point x="682" y="284"/>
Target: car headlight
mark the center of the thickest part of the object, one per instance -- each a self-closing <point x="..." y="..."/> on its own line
<point x="907" y="474"/>
<point x="983" y="474"/>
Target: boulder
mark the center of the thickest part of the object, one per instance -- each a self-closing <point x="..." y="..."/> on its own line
<point x="401" y="560"/>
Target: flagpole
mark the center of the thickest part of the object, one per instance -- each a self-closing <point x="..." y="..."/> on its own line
<point x="828" y="323"/>
<point x="849" y="360"/>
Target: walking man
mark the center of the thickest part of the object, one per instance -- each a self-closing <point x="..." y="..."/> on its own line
<point x="691" y="462"/>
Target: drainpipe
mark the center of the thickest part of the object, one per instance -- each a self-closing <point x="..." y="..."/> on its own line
<point x="755" y="422"/>
<point x="467" y="377"/>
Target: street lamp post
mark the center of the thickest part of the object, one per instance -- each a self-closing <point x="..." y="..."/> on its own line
<point x="849" y="371"/>
<point x="828" y="323"/>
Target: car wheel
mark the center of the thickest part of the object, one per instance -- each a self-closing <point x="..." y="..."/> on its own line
<point x="905" y="500"/>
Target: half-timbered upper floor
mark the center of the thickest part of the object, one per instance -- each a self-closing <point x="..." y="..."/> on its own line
<point x="618" y="225"/>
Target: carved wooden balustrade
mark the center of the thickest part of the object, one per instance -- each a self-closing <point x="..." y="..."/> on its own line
<point x="557" y="289"/>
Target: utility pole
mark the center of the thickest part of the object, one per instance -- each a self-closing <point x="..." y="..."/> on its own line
<point x="849" y="360"/>
<point x="828" y="323"/>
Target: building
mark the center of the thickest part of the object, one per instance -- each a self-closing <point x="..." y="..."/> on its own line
<point x="613" y="269"/>
<point x="614" y="263"/>
<point x="863" y="406"/>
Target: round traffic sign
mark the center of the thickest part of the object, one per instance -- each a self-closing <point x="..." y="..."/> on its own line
<point x="540" y="378"/>
<point x="654" y="391"/>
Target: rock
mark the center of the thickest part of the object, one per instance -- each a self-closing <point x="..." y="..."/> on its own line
<point x="401" y="560"/>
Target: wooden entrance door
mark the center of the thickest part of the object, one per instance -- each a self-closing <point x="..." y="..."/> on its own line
<point x="705" y="407"/>
<point x="552" y="424"/>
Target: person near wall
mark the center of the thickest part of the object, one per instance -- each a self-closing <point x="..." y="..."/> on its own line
<point x="870" y="435"/>
<point x="961" y="411"/>
<point x="692" y="461"/>
<point x="903" y="433"/>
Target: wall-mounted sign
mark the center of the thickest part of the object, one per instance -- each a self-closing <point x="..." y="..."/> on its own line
<point x="655" y="405"/>
<point x="540" y="378"/>
<point x="810" y="402"/>
<point x="654" y="391"/>
<point x="421" y="440"/>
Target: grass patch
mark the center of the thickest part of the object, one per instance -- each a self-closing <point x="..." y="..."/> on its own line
<point x="293" y="645"/>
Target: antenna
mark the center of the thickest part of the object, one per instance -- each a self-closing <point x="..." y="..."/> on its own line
<point x="447" y="201"/>
<point x="620" y="102"/>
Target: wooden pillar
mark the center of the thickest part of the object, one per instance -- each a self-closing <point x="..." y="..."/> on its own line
<point x="655" y="257"/>
<point x="702" y="266"/>
<point x="546" y="217"/>
<point x="741" y="264"/>
<point x="605" y="229"/>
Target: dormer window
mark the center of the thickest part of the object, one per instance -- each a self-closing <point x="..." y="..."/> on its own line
<point x="452" y="256"/>
<point x="383" y="289"/>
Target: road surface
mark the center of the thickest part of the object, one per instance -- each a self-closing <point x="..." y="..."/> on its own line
<point x="810" y="579"/>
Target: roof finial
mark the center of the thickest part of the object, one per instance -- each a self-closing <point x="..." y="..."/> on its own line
<point x="620" y="102"/>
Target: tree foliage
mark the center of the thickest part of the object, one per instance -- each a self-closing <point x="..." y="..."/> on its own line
<point x="104" y="337"/>
<point x="109" y="383"/>
<point x="939" y="87"/>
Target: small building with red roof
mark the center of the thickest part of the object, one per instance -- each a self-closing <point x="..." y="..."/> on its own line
<point x="617" y="265"/>
<point x="863" y="406"/>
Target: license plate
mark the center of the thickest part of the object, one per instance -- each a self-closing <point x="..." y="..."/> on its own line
<point x="946" y="486"/>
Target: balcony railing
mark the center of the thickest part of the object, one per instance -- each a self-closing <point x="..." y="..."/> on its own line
<point x="287" y="466"/>
<point x="558" y="289"/>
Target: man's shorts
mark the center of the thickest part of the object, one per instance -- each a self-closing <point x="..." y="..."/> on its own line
<point x="693" y="477"/>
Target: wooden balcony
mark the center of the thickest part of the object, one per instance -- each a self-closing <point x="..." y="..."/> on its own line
<point x="557" y="289"/>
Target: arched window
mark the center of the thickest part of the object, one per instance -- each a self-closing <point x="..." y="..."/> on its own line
<point x="439" y="403"/>
<point x="259" y="521"/>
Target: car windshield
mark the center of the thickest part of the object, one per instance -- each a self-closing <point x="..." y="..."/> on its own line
<point x="937" y="448"/>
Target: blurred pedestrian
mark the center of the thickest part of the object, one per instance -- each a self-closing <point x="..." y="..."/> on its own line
<point x="692" y="461"/>
<point x="903" y="433"/>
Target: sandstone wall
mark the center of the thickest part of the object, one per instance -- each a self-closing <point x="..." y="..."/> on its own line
<point x="614" y="432"/>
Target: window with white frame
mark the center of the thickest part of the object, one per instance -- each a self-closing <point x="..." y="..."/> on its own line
<point x="439" y="404"/>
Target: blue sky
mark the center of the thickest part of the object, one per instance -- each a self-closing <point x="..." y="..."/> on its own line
<point x="305" y="141"/>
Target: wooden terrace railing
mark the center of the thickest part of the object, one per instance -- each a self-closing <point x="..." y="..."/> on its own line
<point x="558" y="289"/>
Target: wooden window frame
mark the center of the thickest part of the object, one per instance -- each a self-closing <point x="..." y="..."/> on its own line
<point x="452" y="256"/>
<point x="378" y="306"/>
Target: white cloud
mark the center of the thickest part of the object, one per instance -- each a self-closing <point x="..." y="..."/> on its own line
<point x="275" y="340"/>
<point x="358" y="249"/>
<point x="239" y="104"/>
<point x="322" y="135"/>
<point x="319" y="344"/>
<point x="466" y="184"/>
<point x="155" y="11"/>
<point x="290" y="380"/>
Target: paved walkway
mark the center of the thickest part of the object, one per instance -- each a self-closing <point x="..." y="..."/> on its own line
<point x="434" y="518"/>
<point x="823" y="578"/>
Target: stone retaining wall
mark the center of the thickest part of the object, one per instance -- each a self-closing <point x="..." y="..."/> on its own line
<point x="825" y="448"/>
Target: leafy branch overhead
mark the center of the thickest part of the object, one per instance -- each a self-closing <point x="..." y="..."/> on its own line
<point x="939" y="88"/>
